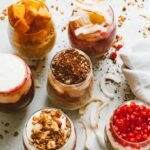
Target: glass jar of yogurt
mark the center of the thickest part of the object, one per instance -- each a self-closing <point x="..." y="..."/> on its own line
<point x="16" y="83"/>
<point x="92" y="28"/>
<point x="49" y="129"/>
<point x="128" y="128"/>
<point x="31" y="29"/>
<point x="70" y="79"/>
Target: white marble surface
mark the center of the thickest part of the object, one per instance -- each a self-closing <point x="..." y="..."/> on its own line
<point x="129" y="31"/>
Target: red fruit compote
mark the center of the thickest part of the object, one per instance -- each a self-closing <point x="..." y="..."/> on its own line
<point x="129" y="127"/>
<point x="92" y="28"/>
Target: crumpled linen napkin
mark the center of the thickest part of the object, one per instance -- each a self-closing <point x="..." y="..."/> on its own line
<point x="136" y="68"/>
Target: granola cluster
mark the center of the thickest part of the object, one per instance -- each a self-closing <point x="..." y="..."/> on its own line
<point x="70" y="67"/>
<point x="51" y="130"/>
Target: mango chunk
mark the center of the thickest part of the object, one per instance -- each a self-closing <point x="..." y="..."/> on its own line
<point x="11" y="17"/>
<point x="30" y="15"/>
<point x="96" y="18"/>
<point x="21" y="26"/>
<point x="18" y="11"/>
<point x="42" y="19"/>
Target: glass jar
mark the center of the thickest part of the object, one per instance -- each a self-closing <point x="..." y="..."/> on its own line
<point x="72" y="96"/>
<point x="89" y="30"/>
<point x="116" y="141"/>
<point x="30" y="127"/>
<point x="36" y="43"/>
<point x="17" y="86"/>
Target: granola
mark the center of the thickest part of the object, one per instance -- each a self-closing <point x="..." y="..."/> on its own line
<point x="51" y="130"/>
<point x="70" y="67"/>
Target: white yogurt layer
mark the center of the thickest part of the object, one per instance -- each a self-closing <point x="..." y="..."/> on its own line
<point x="14" y="74"/>
<point x="28" y="131"/>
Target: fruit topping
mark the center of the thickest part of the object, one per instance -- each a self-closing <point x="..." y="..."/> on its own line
<point x="132" y="122"/>
<point x="96" y="18"/>
<point x="19" y="11"/>
<point x="27" y="14"/>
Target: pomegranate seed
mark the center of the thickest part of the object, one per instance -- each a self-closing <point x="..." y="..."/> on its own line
<point x="132" y="122"/>
<point x="113" y="55"/>
<point x="145" y="136"/>
<point x="119" y="46"/>
<point x="132" y="140"/>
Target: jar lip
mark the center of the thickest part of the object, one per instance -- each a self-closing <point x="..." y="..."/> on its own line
<point x="89" y="75"/>
<point x="27" y="34"/>
<point x="111" y="121"/>
<point x="49" y="108"/>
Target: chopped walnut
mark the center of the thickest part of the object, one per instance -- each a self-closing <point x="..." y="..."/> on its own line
<point x="2" y="17"/>
<point x="121" y="20"/>
<point x="51" y="144"/>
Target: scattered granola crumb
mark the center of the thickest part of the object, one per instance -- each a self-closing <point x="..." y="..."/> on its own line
<point x="121" y="20"/>
<point x="6" y="131"/>
<point x="64" y="28"/>
<point x="4" y="12"/>
<point x="148" y="28"/>
<point x="144" y="34"/>
<point x="124" y="8"/>
<point x="2" y="17"/>
<point x="52" y="6"/>
<point x="15" y="134"/>
<point x="1" y="136"/>
<point x="57" y="8"/>
<point x="7" y="124"/>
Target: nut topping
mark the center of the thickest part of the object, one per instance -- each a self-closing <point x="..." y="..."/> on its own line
<point x="51" y="130"/>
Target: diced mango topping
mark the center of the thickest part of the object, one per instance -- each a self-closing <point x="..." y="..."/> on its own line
<point x="28" y="14"/>
<point x="11" y="17"/>
<point x="21" y="26"/>
<point x="96" y="18"/>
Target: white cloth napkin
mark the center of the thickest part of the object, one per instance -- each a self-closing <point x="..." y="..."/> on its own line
<point x="136" y="68"/>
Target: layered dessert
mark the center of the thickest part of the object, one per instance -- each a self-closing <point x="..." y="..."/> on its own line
<point x="70" y="79"/>
<point x="129" y="127"/>
<point x="49" y="129"/>
<point x="31" y="29"/>
<point x="92" y="28"/>
<point x="16" y="84"/>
